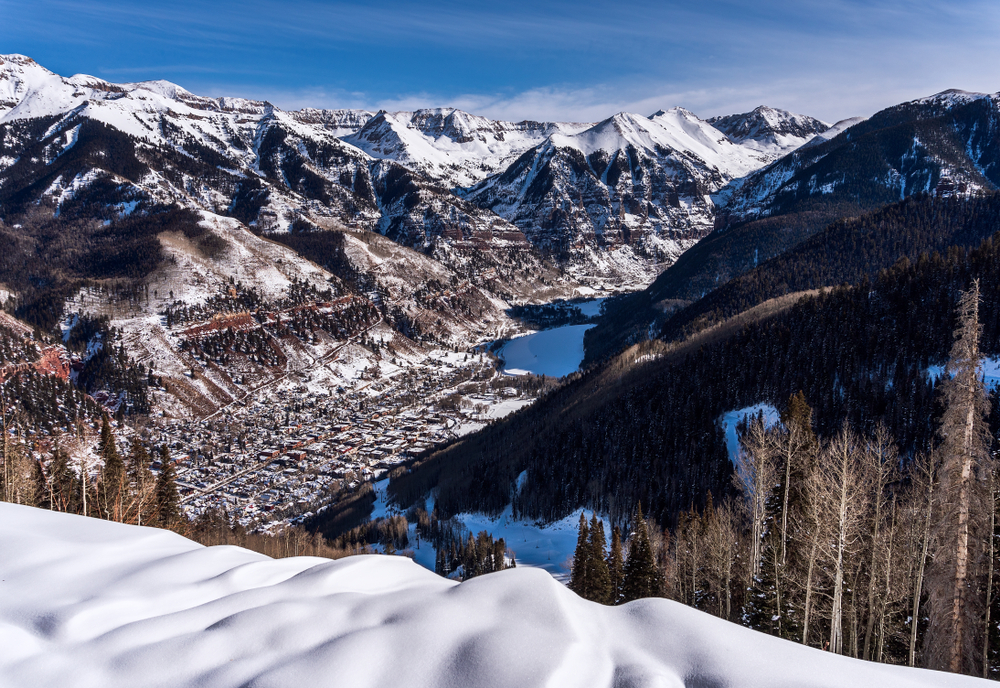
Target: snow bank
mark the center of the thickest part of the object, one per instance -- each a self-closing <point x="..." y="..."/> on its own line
<point x="87" y="603"/>
<point x="556" y="352"/>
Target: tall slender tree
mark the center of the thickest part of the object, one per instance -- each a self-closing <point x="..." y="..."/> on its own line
<point x="168" y="512"/>
<point x="599" y="577"/>
<point x="581" y="560"/>
<point x="956" y="605"/>
<point x="112" y="485"/>
<point x="616" y="565"/>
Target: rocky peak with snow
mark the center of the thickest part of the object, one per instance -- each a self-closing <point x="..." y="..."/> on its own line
<point x="615" y="201"/>
<point x="771" y="131"/>
<point x="945" y="144"/>
<point x="449" y="145"/>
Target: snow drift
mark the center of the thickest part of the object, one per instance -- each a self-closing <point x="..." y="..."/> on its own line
<point x="90" y="603"/>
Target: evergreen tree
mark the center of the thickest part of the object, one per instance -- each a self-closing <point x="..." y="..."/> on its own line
<point x="168" y="511"/>
<point x="62" y="490"/>
<point x="140" y="482"/>
<point x="599" y="579"/>
<point x="616" y="565"/>
<point x="641" y="576"/>
<point x="113" y="473"/>
<point x="581" y="555"/>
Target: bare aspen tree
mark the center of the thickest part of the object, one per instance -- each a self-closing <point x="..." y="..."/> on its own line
<point x="843" y="495"/>
<point x="793" y="444"/>
<point x="887" y="571"/>
<point x="989" y="573"/>
<point x="809" y="526"/>
<point x="755" y="477"/>
<point x="880" y="458"/>
<point x="923" y="476"/>
<point x="955" y="605"/>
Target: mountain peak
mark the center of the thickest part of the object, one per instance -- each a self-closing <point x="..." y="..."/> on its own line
<point x="770" y="130"/>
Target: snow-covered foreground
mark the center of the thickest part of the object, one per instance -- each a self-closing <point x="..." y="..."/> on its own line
<point x="554" y="352"/>
<point x="87" y="603"/>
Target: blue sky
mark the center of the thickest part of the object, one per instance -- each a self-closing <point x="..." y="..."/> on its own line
<point x="579" y="60"/>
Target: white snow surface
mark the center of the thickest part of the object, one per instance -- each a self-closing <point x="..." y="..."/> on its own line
<point x="89" y="603"/>
<point x="731" y="419"/>
<point x="556" y="352"/>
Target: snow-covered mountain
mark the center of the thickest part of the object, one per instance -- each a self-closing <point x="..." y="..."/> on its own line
<point x="948" y="143"/>
<point x="627" y="189"/>
<point x="268" y="168"/>
<point x="449" y="145"/>
<point x="82" y="142"/>
<point x="94" y="603"/>
<point x="770" y="131"/>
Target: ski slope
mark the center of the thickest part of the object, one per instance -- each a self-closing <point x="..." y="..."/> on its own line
<point x="92" y="604"/>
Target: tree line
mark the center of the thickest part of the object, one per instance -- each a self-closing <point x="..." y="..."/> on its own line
<point x="101" y="483"/>
<point x="842" y="542"/>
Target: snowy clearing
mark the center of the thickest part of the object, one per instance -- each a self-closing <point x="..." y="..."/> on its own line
<point x="556" y="352"/>
<point x="731" y="419"/>
<point x="89" y="603"/>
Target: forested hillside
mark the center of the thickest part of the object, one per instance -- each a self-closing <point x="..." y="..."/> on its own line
<point x="846" y="252"/>
<point x="645" y="427"/>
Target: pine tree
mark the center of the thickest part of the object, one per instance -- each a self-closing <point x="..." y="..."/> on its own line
<point x="641" y="576"/>
<point x="113" y="473"/>
<point x="578" y="577"/>
<point x="140" y="483"/>
<point x="599" y="582"/>
<point x="616" y="565"/>
<point x="168" y="512"/>
<point x="956" y="605"/>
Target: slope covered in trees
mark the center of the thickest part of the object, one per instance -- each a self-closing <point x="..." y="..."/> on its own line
<point x="844" y="252"/>
<point x="644" y="427"/>
<point x="848" y="251"/>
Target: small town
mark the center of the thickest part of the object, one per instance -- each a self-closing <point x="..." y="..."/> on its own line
<point x="286" y="453"/>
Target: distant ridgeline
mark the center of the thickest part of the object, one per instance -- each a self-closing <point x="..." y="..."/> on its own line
<point x="644" y="426"/>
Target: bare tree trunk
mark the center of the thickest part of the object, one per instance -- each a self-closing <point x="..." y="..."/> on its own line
<point x="809" y="585"/>
<point x="788" y="488"/>
<point x="989" y="579"/>
<point x="888" y="582"/>
<point x="928" y="476"/>
<point x="755" y="480"/>
<point x="869" y="626"/>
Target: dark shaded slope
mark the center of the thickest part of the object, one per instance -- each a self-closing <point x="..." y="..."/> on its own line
<point x="711" y="262"/>
<point x="846" y="252"/>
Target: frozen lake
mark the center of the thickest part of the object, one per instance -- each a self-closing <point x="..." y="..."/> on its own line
<point x="556" y="352"/>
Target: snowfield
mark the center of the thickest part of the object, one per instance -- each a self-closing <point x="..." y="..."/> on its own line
<point x="731" y="419"/>
<point x="88" y="603"/>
